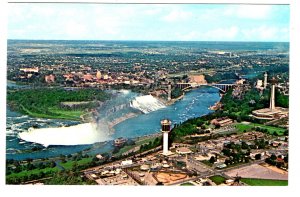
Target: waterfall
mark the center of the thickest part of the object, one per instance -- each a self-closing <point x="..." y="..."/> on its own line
<point x="146" y="104"/>
<point x="87" y="133"/>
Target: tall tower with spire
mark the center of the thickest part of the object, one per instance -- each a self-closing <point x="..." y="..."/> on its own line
<point x="272" y="97"/>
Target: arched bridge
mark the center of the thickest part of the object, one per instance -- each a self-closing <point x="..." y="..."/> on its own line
<point x="222" y="87"/>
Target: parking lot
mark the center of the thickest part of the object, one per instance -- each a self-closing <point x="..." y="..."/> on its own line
<point x="259" y="172"/>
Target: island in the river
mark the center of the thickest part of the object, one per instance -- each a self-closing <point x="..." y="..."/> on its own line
<point x="55" y="103"/>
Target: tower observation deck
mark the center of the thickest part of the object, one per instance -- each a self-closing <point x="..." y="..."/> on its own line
<point x="165" y="129"/>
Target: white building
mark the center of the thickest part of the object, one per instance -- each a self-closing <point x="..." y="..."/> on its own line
<point x="165" y="129"/>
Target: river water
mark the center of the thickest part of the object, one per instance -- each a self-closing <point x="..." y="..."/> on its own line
<point x="194" y="104"/>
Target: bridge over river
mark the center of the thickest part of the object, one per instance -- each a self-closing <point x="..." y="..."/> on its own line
<point x="222" y="87"/>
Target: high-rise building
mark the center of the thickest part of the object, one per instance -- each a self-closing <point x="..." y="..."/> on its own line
<point x="259" y="84"/>
<point x="98" y="75"/>
<point x="266" y="80"/>
<point x="165" y="129"/>
<point x="169" y="91"/>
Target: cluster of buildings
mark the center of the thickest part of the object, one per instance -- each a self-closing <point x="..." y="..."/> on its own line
<point x="103" y="78"/>
<point x="272" y="112"/>
<point x="81" y="76"/>
<point x="28" y="73"/>
<point x="151" y="63"/>
<point x="185" y="163"/>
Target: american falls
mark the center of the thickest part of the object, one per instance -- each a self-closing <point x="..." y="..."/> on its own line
<point x="146" y="103"/>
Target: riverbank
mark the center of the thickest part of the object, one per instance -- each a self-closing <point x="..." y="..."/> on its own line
<point x="172" y="101"/>
<point x="121" y="119"/>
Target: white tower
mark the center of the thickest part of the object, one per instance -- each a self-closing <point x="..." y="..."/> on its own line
<point x="169" y="91"/>
<point x="272" y="97"/>
<point x="266" y="79"/>
<point x="165" y="129"/>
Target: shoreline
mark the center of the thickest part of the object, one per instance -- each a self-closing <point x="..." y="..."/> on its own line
<point x="171" y="102"/>
<point x="117" y="121"/>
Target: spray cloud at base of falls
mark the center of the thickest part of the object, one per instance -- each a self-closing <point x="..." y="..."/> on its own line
<point x="80" y="134"/>
<point x="125" y="105"/>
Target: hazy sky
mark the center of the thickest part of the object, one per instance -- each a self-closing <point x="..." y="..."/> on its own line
<point x="198" y="22"/>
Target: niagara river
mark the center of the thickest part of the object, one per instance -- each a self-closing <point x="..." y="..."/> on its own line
<point x="55" y="137"/>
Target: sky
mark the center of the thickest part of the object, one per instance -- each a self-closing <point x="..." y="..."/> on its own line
<point x="178" y="22"/>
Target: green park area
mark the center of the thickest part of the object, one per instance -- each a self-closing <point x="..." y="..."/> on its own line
<point x="264" y="182"/>
<point x="252" y="126"/>
<point x="70" y="164"/>
<point x="32" y="174"/>
<point x="217" y="179"/>
<point x="48" y="102"/>
<point x="39" y="170"/>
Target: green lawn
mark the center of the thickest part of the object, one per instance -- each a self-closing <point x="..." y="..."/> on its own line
<point x="35" y="171"/>
<point x="62" y="114"/>
<point x="67" y="113"/>
<point x="69" y="164"/>
<point x="217" y="179"/>
<point x="241" y="127"/>
<point x="264" y="182"/>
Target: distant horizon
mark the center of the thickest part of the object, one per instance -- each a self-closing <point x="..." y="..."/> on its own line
<point x="147" y="40"/>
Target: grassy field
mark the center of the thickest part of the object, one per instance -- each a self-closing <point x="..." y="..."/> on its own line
<point x="68" y="113"/>
<point x="241" y="127"/>
<point x="69" y="164"/>
<point x="63" y="114"/>
<point x="217" y="179"/>
<point x="35" y="171"/>
<point x="264" y="182"/>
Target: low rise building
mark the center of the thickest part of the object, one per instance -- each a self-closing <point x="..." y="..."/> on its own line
<point x="50" y="78"/>
<point x="222" y="121"/>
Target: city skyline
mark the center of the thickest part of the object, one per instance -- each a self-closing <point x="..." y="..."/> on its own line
<point x="172" y="22"/>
